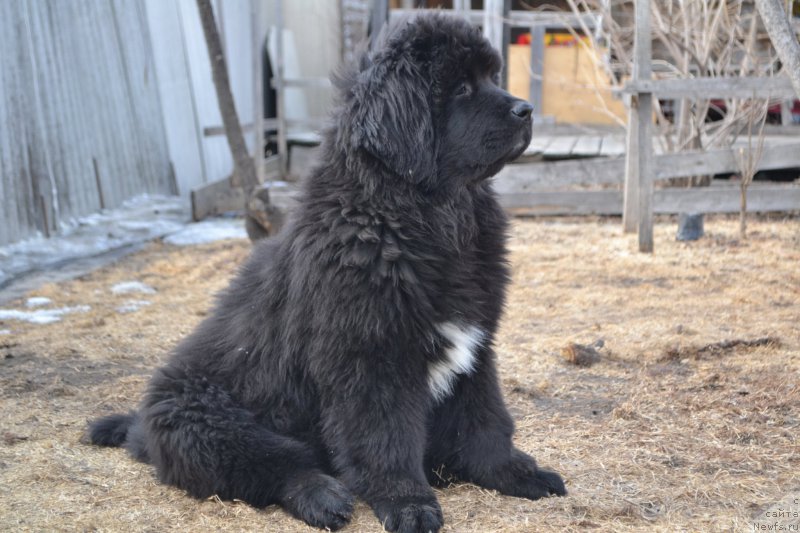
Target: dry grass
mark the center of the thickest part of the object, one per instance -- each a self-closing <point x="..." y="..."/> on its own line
<point x="688" y="418"/>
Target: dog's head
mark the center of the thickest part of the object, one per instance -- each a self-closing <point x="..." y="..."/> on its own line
<point x="425" y="102"/>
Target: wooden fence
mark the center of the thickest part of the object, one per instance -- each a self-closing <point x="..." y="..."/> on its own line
<point x="80" y="113"/>
<point x="640" y="175"/>
<point x="538" y="188"/>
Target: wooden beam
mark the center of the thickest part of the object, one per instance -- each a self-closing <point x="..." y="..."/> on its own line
<point x="305" y="82"/>
<point x="523" y="18"/>
<point x="717" y="199"/>
<point x="528" y="177"/>
<point x="744" y="87"/>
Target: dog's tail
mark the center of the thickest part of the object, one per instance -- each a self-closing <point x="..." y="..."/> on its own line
<point x="111" y="430"/>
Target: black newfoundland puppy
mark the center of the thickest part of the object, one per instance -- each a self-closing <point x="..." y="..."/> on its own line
<point x="352" y="355"/>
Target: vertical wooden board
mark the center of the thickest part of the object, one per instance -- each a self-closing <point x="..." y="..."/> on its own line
<point x="77" y="86"/>
<point x="23" y="214"/>
<point x="74" y="194"/>
<point x="39" y="143"/>
<point x="216" y="154"/>
<point x="173" y="78"/>
<point x="537" y="69"/>
<point x="630" y="211"/>
<point x="319" y="33"/>
<point x="238" y="39"/>
<point x="99" y="79"/>
<point x="645" y="173"/>
<point x="76" y="74"/>
<point x="86" y="121"/>
<point x="493" y="22"/>
<point x="642" y="70"/>
<point x="117" y="102"/>
<point x="4" y="172"/>
<point x="152" y="158"/>
<point x="9" y="214"/>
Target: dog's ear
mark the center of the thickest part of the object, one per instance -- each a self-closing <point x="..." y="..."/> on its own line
<point x="391" y="116"/>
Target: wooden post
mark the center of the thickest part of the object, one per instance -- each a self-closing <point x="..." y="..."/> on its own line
<point x="640" y="144"/>
<point x="378" y="16"/>
<point x="630" y="210"/>
<point x="537" y="68"/>
<point x="505" y="42"/>
<point x="280" y="94"/>
<point x="258" y="87"/>
<point x="496" y="31"/>
<point x="493" y="22"/>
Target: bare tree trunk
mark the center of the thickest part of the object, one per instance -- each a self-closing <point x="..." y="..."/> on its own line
<point x="262" y="218"/>
<point x="783" y="38"/>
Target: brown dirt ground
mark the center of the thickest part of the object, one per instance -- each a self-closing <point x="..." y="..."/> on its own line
<point x="688" y="419"/>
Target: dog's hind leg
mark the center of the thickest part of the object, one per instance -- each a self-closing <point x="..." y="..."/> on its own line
<point x="470" y="437"/>
<point x="201" y="440"/>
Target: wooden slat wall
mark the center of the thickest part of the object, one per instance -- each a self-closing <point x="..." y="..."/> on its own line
<point x="81" y="117"/>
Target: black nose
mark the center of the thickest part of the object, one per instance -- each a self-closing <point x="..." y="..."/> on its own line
<point x="522" y="109"/>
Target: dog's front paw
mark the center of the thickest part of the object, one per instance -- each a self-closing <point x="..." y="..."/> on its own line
<point x="540" y="484"/>
<point x="522" y="478"/>
<point x="320" y="500"/>
<point x="410" y="515"/>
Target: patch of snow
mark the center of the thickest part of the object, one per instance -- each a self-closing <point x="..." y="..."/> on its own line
<point x="208" y="231"/>
<point x="41" y="316"/>
<point x="128" y="287"/>
<point x="38" y="301"/>
<point x="138" y="220"/>
<point x="5" y="332"/>
<point x="132" y="305"/>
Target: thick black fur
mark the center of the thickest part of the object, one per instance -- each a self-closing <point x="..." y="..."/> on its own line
<point x="308" y="384"/>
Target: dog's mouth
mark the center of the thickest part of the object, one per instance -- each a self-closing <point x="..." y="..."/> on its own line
<point x="520" y="142"/>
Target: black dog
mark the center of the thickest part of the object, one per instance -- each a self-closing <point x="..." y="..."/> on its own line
<point x="352" y="355"/>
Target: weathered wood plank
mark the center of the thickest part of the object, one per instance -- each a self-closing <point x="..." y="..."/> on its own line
<point x="530" y="176"/>
<point x="612" y="146"/>
<point x="560" y="147"/>
<point x="588" y="146"/>
<point x="744" y="87"/>
<point x="522" y="18"/>
<point x="537" y="68"/>
<point x="760" y="198"/>
<point x="216" y="198"/>
<point x="630" y="210"/>
<point x="220" y="197"/>
<point x="538" y="145"/>
<point x="640" y="144"/>
<point x="79" y="107"/>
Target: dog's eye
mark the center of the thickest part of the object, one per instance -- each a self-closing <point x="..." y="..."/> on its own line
<point x="463" y="89"/>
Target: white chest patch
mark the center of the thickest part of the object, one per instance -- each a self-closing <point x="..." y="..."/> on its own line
<point x="459" y="358"/>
